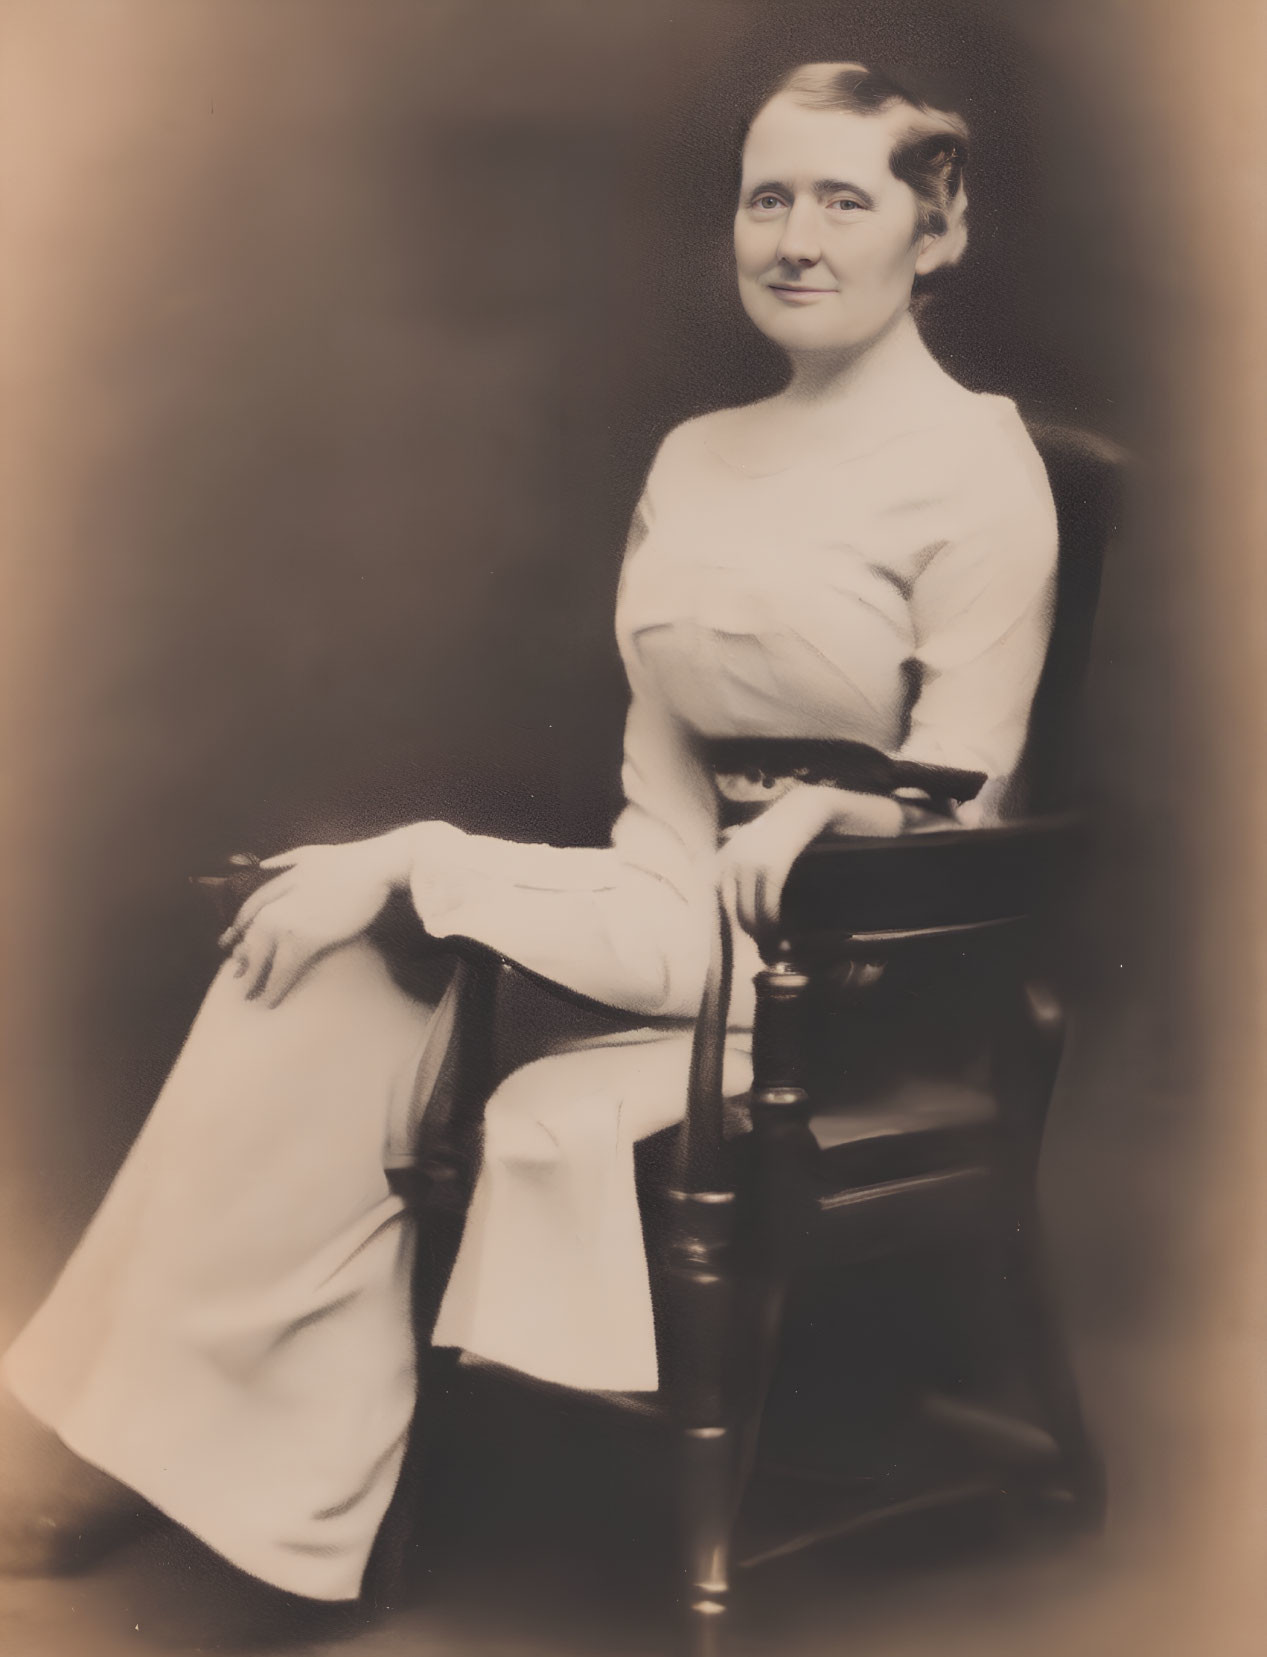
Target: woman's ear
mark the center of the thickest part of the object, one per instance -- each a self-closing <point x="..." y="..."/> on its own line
<point x="940" y="248"/>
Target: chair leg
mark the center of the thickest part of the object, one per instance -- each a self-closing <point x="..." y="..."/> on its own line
<point x="765" y="1325"/>
<point x="730" y="1358"/>
<point x="1049" y="1372"/>
<point x="703" y="1296"/>
<point x="709" y="1499"/>
<point x="387" y="1575"/>
<point x="724" y="1361"/>
<point x="1027" y="1064"/>
<point x="436" y="1190"/>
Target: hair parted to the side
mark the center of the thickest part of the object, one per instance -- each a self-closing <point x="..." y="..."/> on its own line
<point x="930" y="155"/>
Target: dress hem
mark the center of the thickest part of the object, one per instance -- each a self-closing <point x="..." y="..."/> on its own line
<point x="240" y="1559"/>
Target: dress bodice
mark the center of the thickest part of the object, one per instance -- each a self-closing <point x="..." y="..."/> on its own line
<point x="780" y="604"/>
<point x="752" y="608"/>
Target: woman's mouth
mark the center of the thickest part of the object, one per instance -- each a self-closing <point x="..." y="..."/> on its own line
<point x="792" y="292"/>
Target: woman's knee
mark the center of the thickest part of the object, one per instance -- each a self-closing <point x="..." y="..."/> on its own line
<point x="532" y="1116"/>
<point x="517" y="1131"/>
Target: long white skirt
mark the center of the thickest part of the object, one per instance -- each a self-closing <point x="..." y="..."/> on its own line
<point x="232" y="1336"/>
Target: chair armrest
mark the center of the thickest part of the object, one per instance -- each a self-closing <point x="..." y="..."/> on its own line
<point x="919" y="882"/>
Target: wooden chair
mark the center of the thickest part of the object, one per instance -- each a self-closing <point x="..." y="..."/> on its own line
<point x="909" y="1031"/>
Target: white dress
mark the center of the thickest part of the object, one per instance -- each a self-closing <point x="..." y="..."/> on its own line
<point x="231" y="1338"/>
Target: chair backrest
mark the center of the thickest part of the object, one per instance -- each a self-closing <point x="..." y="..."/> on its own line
<point x="1086" y="473"/>
<point x="881" y="901"/>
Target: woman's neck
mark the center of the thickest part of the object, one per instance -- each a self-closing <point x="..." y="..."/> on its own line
<point x="823" y="380"/>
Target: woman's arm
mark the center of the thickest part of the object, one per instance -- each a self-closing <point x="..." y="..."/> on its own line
<point x="628" y="924"/>
<point x="625" y="924"/>
<point x="982" y="613"/>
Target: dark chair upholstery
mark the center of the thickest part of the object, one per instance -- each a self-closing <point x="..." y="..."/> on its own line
<point x="1086" y="474"/>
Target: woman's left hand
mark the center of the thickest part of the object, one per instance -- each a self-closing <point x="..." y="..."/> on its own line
<point x="319" y="898"/>
<point x="754" y="862"/>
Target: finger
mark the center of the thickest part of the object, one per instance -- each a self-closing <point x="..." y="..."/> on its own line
<point x="726" y="886"/>
<point x="268" y="893"/>
<point x="763" y="921"/>
<point x="773" y="878"/>
<point x="241" y="961"/>
<point x="290" y="964"/>
<point x="284" y="860"/>
<point x="757" y="918"/>
<point x="770" y="899"/>
<point x="746" y="897"/>
<point x="256" y="979"/>
<point x="246" y="916"/>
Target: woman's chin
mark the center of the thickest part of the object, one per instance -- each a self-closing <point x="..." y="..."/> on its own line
<point x="800" y="332"/>
<point x="805" y="338"/>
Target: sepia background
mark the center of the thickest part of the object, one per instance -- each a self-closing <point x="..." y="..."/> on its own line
<point x="337" y="340"/>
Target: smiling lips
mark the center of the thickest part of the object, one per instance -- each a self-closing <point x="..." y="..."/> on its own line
<point x="797" y="295"/>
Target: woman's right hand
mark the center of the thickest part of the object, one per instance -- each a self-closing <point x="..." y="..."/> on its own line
<point x="320" y="898"/>
<point x="756" y="858"/>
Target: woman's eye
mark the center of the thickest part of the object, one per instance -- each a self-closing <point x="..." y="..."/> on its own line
<point x="846" y="204"/>
<point x="768" y="204"/>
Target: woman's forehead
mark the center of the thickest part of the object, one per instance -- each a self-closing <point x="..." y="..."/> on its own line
<point x="790" y="144"/>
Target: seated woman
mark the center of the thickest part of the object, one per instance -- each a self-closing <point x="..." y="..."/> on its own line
<point x="869" y="555"/>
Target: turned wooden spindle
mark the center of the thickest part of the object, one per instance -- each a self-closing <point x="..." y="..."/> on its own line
<point x="701" y="1284"/>
<point x="781" y="1207"/>
<point x="784" y="1148"/>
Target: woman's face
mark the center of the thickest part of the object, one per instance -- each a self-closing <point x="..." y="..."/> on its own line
<point x="825" y="235"/>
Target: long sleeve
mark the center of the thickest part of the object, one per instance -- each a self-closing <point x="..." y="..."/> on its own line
<point x="982" y="612"/>
<point x="626" y="924"/>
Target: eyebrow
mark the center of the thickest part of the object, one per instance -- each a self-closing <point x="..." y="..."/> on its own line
<point x="822" y="187"/>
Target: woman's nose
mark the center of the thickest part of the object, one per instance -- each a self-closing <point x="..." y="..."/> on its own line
<point x="799" y="243"/>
